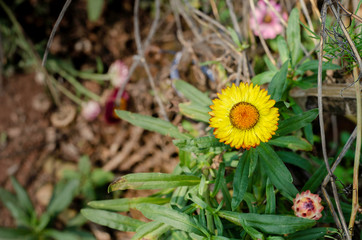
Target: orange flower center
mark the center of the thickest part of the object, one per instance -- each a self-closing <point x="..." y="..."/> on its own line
<point x="244" y="116"/>
<point x="267" y="18"/>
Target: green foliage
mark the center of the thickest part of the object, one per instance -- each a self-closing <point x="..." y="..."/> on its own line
<point x="29" y="225"/>
<point x="208" y="193"/>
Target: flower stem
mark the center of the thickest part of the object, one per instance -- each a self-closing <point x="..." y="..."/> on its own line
<point x="206" y="196"/>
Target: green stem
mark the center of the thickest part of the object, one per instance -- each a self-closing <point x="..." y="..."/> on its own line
<point x="94" y="76"/>
<point x="66" y="92"/>
<point x="79" y="87"/>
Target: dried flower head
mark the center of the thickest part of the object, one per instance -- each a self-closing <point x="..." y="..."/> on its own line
<point x="307" y="205"/>
<point x="91" y="110"/>
<point x="244" y="116"/>
<point x="118" y="72"/>
<point x="266" y="20"/>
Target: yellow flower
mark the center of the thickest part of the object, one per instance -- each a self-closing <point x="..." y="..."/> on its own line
<point x="244" y="116"/>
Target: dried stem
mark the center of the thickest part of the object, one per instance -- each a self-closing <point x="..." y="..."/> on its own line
<point x="355" y="204"/>
<point x="323" y="140"/>
<point x="54" y="30"/>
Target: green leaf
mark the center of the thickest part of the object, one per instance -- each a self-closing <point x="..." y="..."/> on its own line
<point x="276" y="170"/>
<point x="293" y="36"/>
<point x="283" y="49"/>
<point x="151" y="124"/>
<point x="125" y="204"/>
<point x="296" y="159"/>
<point x="291" y="142"/>
<point x="152" y="181"/>
<point x="67" y="234"/>
<point x="63" y="195"/>
<point x="195" y="111"/>
<point x="192" y="93"/>
<point x="208" y="144"/>
<point x="234" y="36"/>
<point x="94" y="9"/>
<point x="22" y="196"/>
<point x="264" y="77"/>
<point x="112" y="219"/>
<point x="241" y="180"/>
<point x="219" y="179"/>
<point x="254" y="234"/>
<point x="151" y="231"/>
<point x="312" y="65"/>
<point x="316" y="179"/>
<point x="100" y="177"/>
<point x="16" y="233"/>
<point x="178" y="197"/>
<point x="279" y="83"/>
<point x="84" y="165"/>
<point x="294" y="123"/>
<point x="11" y="203"/>
<point x="312" y="234"/>
<point x="268" y="223"/>
<point x="171" y="217"/>
<point x="270" y="198"/>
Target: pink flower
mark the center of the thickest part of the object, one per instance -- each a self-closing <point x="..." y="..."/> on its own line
<point x="110" y="115"/>
<point x="91" y="110"/>
<point x="266" y="20"/>
<point x="118" y="72"/>
<point x="307" y="205"/>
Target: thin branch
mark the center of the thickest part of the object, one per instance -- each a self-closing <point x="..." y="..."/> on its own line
<point x="54" y="30"/>
<point x="321" y="123"/>
<point x="140" y="51"/>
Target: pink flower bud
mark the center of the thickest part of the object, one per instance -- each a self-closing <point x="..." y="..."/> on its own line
<point x="307" y="205"/>
<point x="91" y="110"/>
<point x="118" y="72"/>
<point x="267" y="21"/>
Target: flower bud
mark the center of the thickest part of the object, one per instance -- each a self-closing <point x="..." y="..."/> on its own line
<point x="307" y="205"/>
<point x="91" y="110"/>
<point x="118" y="72"/>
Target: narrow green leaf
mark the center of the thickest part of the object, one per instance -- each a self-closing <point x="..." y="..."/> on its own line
<point x="112" y="219"/>
<point x="208" y="144"/>
<point x="67" y="234"/>
<point x="15" y="233"/>
<point x="11" y="203"/>
<point x="241" y="180"/>
<point x="178" y="197"/>
<point x="294" y="123"/>
<point x="94" y="9"/>
<point x="84" y="165"/>
<point x="171" y="217"/>
<point x="270" y="198"/>
<point x="276" y="170"/>
<point x="282" y="48"/>
<point x="274" y="238"/>
<point x="293" y="36"/>
<point x="152" y="124"/>
<point x="312" y="234"/>
<point x="251" y="202"/>
<point x="62" y="196"/>
<point x="125" y="204"/>
<point x="22" y="196"/>
<point x="279" y="83"/>
<point x="151" y="231"/>
<point x="296" y="159"/>
<point x="192" y="93"/>
<point x="254" y="234"/>
<point x="268" y="223"/>
<point x="291" y="142"/>
<point x="152" y="181"/>
<point x="316" y="179"/>
<point x="264" y="77"/>
<point x="219" y="178"/>
<point x="195" y="111"/>
<point x="312" y="65"/>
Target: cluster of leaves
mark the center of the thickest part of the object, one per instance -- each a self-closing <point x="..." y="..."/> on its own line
<point x="30" y="226"/>
<point x="216" y="192"/>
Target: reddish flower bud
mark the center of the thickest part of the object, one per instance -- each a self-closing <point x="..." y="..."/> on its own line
<point x="111" y="105"/>
<point x="307" y="205"/>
